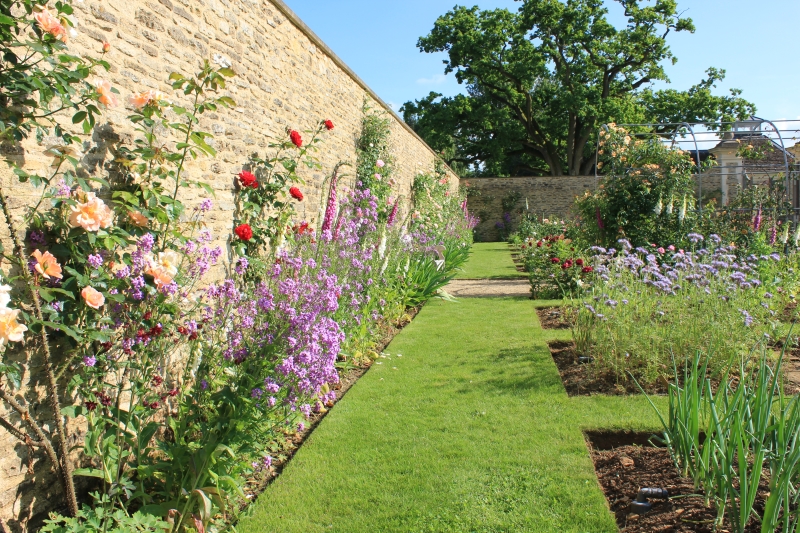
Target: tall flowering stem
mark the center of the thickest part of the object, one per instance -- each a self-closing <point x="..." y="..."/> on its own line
<point x="330" y="209"/>
<point x="61" y="461"/>
<point x="393" y="213"/>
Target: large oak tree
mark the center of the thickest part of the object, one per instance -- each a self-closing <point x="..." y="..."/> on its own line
<point x="540" y="82"/>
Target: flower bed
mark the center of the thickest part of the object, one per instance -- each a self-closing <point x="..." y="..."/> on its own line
<point x="192" y="369"/>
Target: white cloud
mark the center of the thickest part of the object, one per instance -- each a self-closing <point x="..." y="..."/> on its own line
<point x="435" y="80"/>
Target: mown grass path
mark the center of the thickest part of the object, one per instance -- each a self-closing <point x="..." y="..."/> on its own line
<point x="463" y="427"/>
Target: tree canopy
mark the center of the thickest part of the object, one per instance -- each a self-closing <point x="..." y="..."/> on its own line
<point x="540" y="82"/>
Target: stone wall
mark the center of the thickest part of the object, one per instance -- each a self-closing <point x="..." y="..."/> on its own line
<point x="554" y="196"/>
<point x="286" y="78"/>
<point x="540" y="195"/>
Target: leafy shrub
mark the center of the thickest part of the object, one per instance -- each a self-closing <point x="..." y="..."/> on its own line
<point x="647" y="194"/>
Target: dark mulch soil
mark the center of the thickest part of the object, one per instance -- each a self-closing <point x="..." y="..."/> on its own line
<point x="552" y="318"/>
<point x="625" y="462"/>
<point x="347" y="378"/>
<point x="581" y="378"/>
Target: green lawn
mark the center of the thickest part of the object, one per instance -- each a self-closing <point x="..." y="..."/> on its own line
<point x="464" y="427"/>
<point x="490" y="260"/>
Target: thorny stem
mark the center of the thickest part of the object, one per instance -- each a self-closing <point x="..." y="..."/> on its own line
<point x="63" y="465"/>
<point x="43" y="441"/>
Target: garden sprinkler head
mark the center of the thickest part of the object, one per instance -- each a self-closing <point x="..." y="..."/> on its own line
<point x="585" y="360"/>
<point x="641" y="506"/>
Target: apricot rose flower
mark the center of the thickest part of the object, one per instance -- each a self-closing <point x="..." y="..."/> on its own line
<point x="91" y="214"/>
<point x="164" y="268"/>
<point x="10" y="329"/>
<point x="93" y="297"/>
<point x="46" y="265"/>
<point x="107" y="97"/>
<point x="50" y="24"/>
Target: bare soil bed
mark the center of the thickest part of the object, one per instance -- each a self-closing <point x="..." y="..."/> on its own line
<point x="553" y="318"/>
<point x="625" y="462"/>
<point x="581" y="378"/>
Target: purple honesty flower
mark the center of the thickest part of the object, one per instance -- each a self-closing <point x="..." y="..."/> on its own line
<point x="95" y="260"/>
<point x="206" y="205"/>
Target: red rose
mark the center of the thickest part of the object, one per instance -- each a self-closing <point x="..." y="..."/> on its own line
<point x="244" y="232"/>
<point x="329" y="125"/>
<point x="587" y="269"/>
<point x="539" y="244"/>
<point x="579" y="262"/>
<point x="247" y="179"/>
<point x="296" y="194"/>
<point x="296" y="138"/>
<point x="555" y="260"/>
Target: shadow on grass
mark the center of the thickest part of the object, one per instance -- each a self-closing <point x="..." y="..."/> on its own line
<point x="517" y="370"/>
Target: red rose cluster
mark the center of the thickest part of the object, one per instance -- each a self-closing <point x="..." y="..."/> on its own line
<point x="297" y="140"/>
<point x="244" y="232"/>
<point x="296" y="194"/>
<point x="248" y="179"/>
<point x="303" y="228"/>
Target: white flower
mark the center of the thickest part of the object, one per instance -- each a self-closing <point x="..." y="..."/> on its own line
<point x="5" y="296"/>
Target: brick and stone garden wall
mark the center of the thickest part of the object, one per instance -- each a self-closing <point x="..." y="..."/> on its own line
<point x="286" y="78"/>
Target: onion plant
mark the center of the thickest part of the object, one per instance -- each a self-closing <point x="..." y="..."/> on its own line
<point x="726" y="439"/>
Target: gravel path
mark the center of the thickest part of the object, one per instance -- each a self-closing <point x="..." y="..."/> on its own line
<point x="488" y="288"/>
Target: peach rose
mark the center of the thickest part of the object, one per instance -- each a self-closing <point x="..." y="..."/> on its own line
<point x="91" y="214"/>
<point x="46" y="265"/>
<point x="139" y="100"/>
<point x="138" y="219"/>
<point x="164" y="268"/>
<point x="50" y="24"/>
<point x="93" y="297"/>
<point x="10" y="329"/>
<point x="103" y="87"/>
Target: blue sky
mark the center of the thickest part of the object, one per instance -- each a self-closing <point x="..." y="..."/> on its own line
<point x="755" y="42"/>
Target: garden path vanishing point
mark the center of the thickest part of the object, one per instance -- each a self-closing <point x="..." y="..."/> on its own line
<point x="462" y="426"/>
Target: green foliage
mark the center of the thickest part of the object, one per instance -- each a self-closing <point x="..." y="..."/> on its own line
<point x="38" y="76"/>
<point x="374" y="163"/>
<point x="725" y="438"/>
<point x="647" y="195"/>
<point x="268" y="206"/>
<point x="541" y="81"/>
<point x="557" y="265"/>
<point x="98" y="518"/>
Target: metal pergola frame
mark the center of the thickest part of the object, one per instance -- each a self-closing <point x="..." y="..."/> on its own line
<point x="692" y="136"/>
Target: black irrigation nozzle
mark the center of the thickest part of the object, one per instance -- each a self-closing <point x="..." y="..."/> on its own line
<point x="585" y="360"/>
<point x="641" y="506"/>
